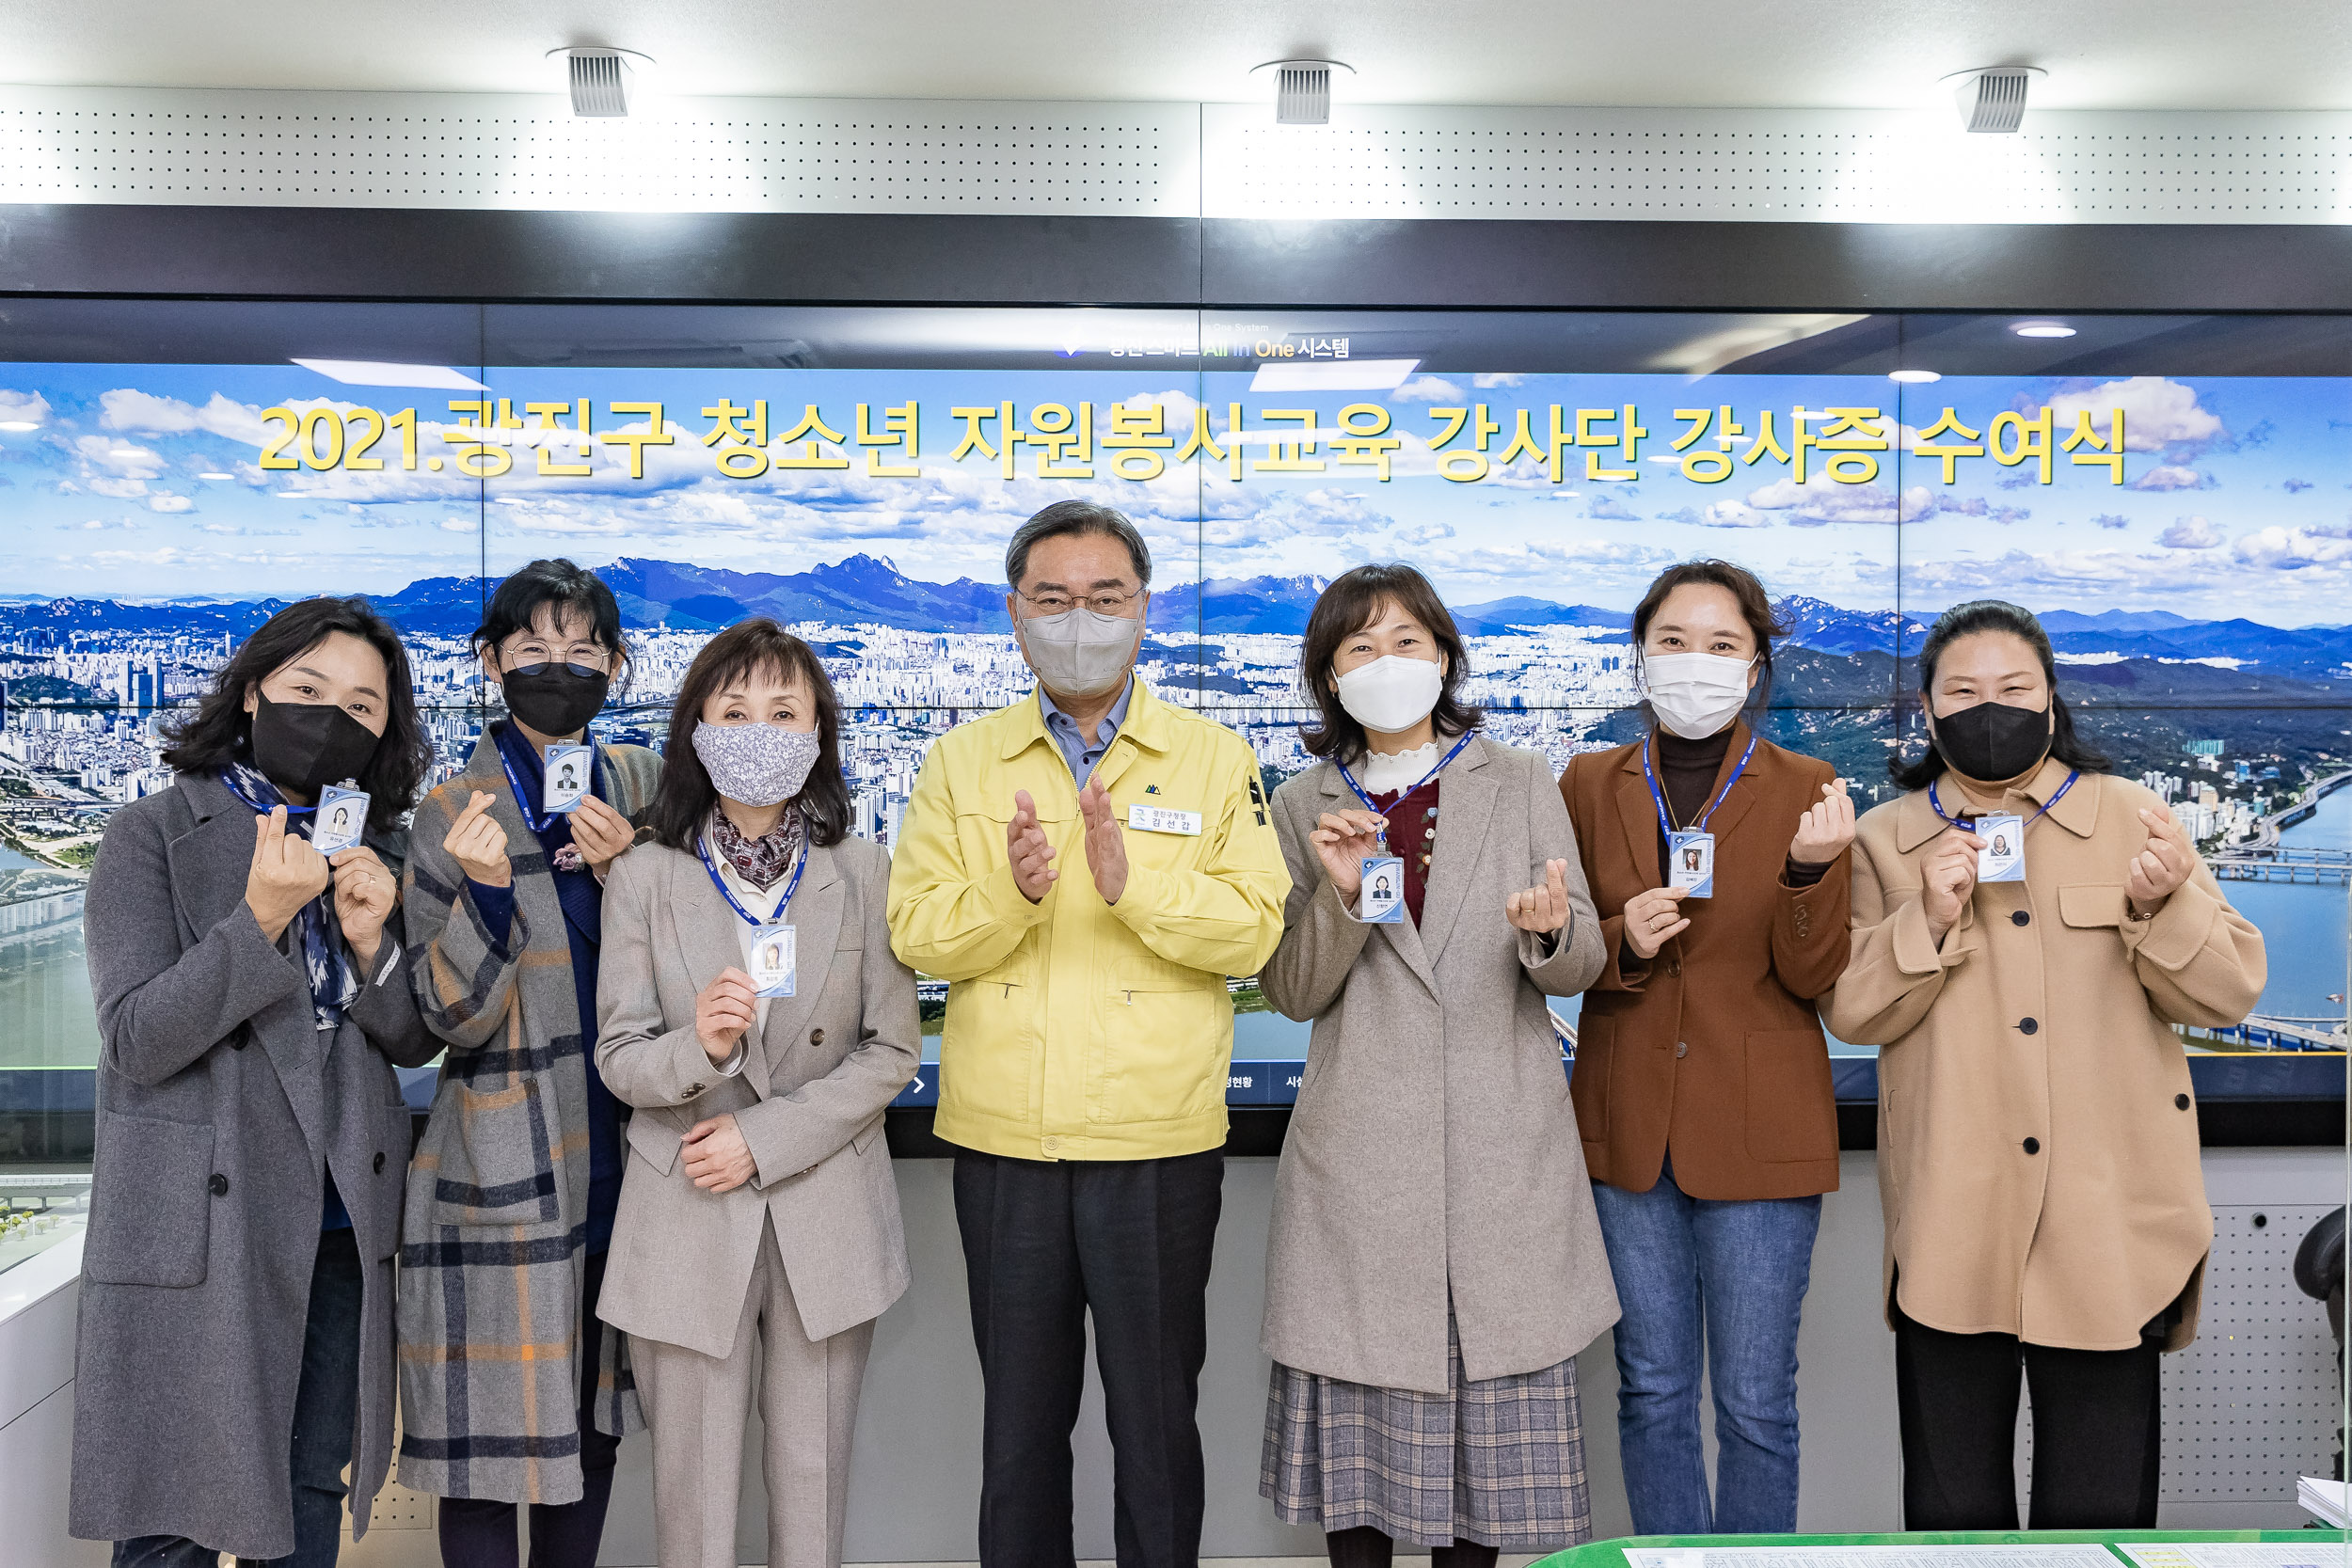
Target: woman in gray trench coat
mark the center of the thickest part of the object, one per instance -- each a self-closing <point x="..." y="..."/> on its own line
<point x="252" y="997"/>
<point x="1434" y="1263"/>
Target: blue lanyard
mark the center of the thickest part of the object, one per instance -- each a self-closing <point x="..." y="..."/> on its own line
<point x="702" y="847"/>
<point x="1967" y="824"/>
<point x="1665" y="824"/>
<point x="1401" y="793"/>
<point x="539" y="824"/>
<point x="229" y="781"/>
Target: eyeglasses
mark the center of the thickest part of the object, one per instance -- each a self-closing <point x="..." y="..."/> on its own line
<point x="1102" y="603"/>
<point x="532" y="658"/>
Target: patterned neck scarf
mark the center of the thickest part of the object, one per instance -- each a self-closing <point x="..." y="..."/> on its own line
<point x="334" y="985"/>
<point x="763" y="861"/>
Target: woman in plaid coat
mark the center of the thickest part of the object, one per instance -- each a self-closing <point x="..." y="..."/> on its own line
<point x="511" y="1392"/>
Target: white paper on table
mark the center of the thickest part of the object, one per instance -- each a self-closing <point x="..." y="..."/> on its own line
<point x="2324" y="1498"/>
<point x="2319" y="1553"/>
<point x="2057" y="1555"/>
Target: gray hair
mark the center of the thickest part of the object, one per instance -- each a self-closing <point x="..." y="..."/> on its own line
<point x="1075" y="517"/>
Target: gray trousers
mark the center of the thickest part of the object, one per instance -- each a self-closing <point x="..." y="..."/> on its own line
<point x="696" y="1406"/>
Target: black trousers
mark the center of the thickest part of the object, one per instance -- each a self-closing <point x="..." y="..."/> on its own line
<point x="2097" y="1426"/>
<point x="1044" y="1244"/>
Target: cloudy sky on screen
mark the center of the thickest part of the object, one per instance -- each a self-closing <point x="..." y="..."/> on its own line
<point x="2238" y="497"/>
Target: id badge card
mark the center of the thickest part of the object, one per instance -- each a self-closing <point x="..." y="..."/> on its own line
<point x="567" y="777"/>
<point x="774" y="962"/>
<point x="343" y="820"/>
<point x="1691" y="864"/>
<point x="1164" y="819"/>
<point x="1382" y="901"/>
<point x="2003" y="857"/>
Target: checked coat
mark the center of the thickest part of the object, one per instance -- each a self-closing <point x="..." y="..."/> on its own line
<point x="494" y="1243"/>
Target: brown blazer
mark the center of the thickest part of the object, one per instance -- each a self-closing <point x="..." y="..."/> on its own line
<point x="2038" y="1152"/>
<point x="1713" y="1050"/>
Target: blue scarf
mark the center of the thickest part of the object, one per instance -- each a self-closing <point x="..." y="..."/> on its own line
<point x="333" y="985"/>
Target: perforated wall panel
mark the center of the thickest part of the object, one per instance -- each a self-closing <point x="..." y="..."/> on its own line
<point x="1827" y="166"/>
<point x="1165" y="160"/>
<point x="2252" y="1404"/>
<point x="470" y="150"/>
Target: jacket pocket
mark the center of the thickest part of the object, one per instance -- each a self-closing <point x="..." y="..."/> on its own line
<point x="1588" y="1081"/>
<point x="1163" y="1058"/>
<point x="655" y="1141"/>
<point x="863" y="1139"/>
<point x="1792" y="1112"/>
<point x="152" y="1211"/>
<point x="988" y="1045"/>
<point x="493" y="1165"/>
<point x="2088" y="905"/>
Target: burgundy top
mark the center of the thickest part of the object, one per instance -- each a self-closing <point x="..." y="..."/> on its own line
<point x="1412" y="836"/>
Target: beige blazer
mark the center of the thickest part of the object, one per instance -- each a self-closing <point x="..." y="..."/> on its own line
<point x="809" y="1099"/>
<point x="1434" y="1151"/>
<point x="2045" y="1016"/>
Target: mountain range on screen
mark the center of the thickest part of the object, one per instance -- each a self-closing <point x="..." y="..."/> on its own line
<point x="869" y="589"/>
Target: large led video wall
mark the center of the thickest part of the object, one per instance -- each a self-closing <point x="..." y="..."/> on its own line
<point x="2172" y="496"/>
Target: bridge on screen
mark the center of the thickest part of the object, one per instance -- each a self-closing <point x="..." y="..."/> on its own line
<point x="2279" y="863"/>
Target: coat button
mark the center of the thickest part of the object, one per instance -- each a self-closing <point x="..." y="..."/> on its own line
<point x="1674" y="968"/>
<point x="2020" y="917"/>
<point x="219" y="1186"/>
<point x="2033" y="1146"/>
<point x="1051" y="1145"/>
<point x="1683" y="1047"/>
<point x="379" y="1162"/>
<point x="2026" y="1026"/>
<point x="693" y="1089"/>
<point x="815" y="1036"/>
<point x="2180" y="1102"/>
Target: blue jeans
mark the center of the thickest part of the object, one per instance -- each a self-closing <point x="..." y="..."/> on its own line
<point x="326" y="1408"/>
<point x="1725" y="1279"/>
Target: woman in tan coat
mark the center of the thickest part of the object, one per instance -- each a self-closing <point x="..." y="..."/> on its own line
<point x="2038" y="1151"/>
<point x="1702" y="1079"/>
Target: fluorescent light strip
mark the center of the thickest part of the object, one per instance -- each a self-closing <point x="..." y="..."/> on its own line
<point x="1340" y="375"/>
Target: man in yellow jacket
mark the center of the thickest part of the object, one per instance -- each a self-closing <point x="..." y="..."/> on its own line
<point x="1086" y="867"/>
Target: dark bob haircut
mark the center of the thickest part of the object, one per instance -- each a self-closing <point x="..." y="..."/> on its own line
<point x="1063" y="518"/>
<point x="1345" y="608"/>
<point x="1756" y="608"/>
<point x="220" y="731"/>
<point x="686" y="797"/>
<point x="516" y="603"/>
<point x="1964" y="620"/>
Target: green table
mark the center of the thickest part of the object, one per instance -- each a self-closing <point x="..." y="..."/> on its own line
<point x="1611" y="1554"/>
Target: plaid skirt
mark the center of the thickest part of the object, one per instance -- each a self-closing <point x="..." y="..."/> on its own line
<point x="1500" y="1463"/>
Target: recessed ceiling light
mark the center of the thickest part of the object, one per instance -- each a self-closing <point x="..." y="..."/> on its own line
<point x="1915" y="377"/>
<point x="2042" y="329"/>
<point x="374" y="373"/>
<point x="18" y="424"/>
<point x="1302" y="89"/>
<point x="1341" y="376"/>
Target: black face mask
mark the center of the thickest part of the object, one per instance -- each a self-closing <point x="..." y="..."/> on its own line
<point x="1993" y="741"/>
<point x="304" y="747"/>
<point x="553" y="700"/>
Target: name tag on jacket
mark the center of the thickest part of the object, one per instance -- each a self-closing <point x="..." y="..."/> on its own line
<point x="1164" y="819"/>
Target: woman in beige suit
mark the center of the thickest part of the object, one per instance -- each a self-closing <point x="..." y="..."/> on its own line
<point x="2038" y="1151"/>
<point x="750" y="1008"/>
<point x="1434" y="1263"/>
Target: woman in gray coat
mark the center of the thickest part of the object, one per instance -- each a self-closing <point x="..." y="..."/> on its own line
<point x="236" y="1304"/>
<point x="1434" y="1263"/>
<point x="751" y="1009"/>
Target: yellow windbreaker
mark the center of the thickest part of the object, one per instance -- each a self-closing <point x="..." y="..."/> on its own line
<point x="1076" y="1029"/>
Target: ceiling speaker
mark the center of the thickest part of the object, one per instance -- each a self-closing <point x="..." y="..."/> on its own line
<point x="602" y="81"/>
<point x="1992" y="98"/>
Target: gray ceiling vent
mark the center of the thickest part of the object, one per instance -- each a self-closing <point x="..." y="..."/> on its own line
<point x="1992" y="98"/>
<point x="1302" y="89"/>
<point x="602" y="81"/>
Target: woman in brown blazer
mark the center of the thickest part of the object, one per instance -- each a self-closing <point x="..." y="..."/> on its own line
<point x="1702" y="1077"/>
<point x="2038" y="1151"/>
